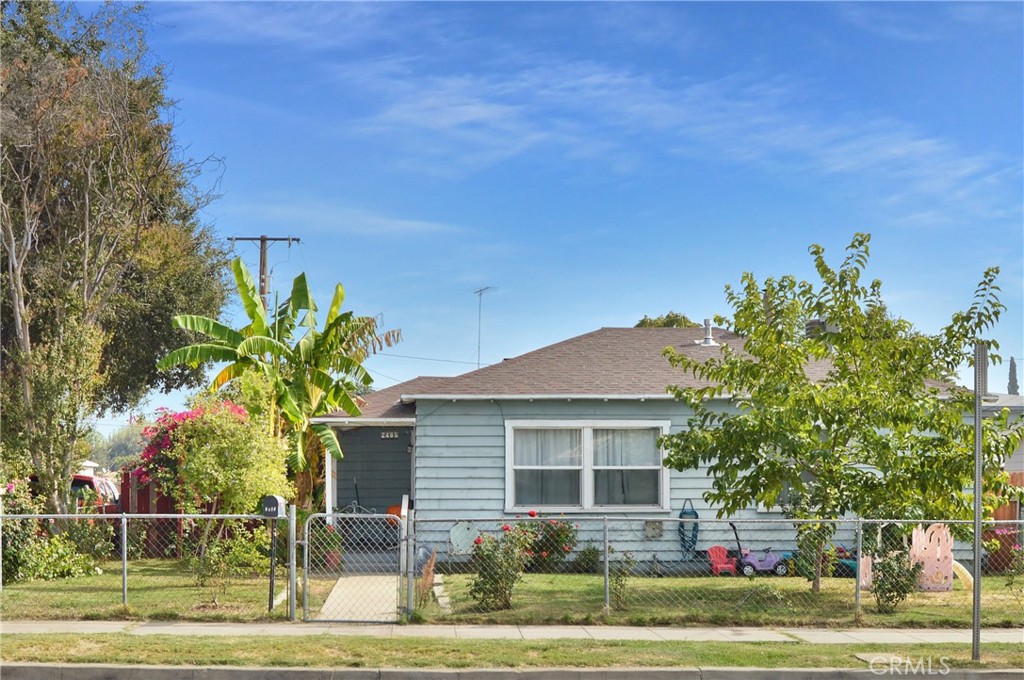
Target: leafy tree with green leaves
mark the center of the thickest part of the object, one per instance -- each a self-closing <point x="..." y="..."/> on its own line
<point x="99" y="236"/>
<point x="856" y="416"/>
<point x="670" y="320"/>
<point x="314" y="371"/>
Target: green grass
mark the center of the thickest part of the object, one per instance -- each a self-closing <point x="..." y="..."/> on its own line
<point x="373" y="652"/>
<point x="761" y="601"/>
<point x="157" y="589"/>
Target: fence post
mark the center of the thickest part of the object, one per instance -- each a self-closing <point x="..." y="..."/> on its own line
<point x="607" y="592"/>
<point x="1" y="544"/>
<point x="124" y="559"/>
<point x="305" y="567"/>
<point x="856" y="570"/>
<point x="410" y="564"/>
<point x="291" y="562"/>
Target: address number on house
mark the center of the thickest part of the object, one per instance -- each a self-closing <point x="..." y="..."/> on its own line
<point x="389" y="435"/>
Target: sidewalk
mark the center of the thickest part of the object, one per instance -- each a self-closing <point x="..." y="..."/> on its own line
<point x="653" y="634"/>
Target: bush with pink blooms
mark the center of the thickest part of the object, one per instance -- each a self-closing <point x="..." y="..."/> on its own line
<point x="214" y="457"/>
<point x="499" y="563"/>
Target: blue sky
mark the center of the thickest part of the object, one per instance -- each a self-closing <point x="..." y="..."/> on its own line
<point x="598" y="162"/>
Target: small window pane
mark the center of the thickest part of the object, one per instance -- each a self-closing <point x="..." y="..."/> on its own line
<point x="547" y="487"/>
<point x="548" y="447"/>
<point x="626" y="487"/>
<point x="626" y="448"/>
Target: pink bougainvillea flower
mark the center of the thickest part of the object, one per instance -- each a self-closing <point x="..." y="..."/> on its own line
<point x="478" y="540"/>
<point x="566" y="548"/>
<point x="532" y="513"/>
<point x="543" y="553"/>
<point x="552" y="521"/>
<point x="505" y="527"/>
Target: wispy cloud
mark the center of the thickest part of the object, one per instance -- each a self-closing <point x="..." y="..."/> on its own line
<point x="890" y="22"/>
<point x="301" y="25"/>
<point x="583" y="109"/>
<point x="318" y="216"/>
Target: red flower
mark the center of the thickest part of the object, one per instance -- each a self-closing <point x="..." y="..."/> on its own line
<point x="478" y="540"/>
<point x="552" y="521"/>
<point x="530" y="553"/>
<point x="566" y="548"/>
<point x="505" y="527"/>
<point x="532" y="513"/>
<point x="330" y="528"/>
<point x="544" y="553"/>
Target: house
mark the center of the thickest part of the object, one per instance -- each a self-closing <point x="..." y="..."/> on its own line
<point x="568" y="429"/>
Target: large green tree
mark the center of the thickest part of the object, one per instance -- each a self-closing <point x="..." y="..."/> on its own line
<point x="99" y="235"/>
<point x="839" y="406"/>
<point x="670" y="320"/>
<point x="314" y="371"/>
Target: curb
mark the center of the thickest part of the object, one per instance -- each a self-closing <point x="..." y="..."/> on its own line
<point x="30" y="671"/>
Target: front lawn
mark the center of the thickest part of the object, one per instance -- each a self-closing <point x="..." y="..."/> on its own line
<point x="157" y="589"/>
<point x="761" y="601"/>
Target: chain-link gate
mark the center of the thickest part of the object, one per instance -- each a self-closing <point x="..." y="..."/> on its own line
<point x="354" y="568"/>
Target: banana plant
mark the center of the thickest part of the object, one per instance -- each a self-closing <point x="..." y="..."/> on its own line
<point x="314" y="371"/>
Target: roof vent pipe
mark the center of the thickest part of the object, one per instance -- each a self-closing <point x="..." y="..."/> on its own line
<point x="708" y="340"/>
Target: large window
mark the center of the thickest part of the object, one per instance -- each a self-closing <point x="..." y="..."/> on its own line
<point x="589" y="465"/>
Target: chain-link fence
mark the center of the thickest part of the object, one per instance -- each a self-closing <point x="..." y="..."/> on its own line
<point x="184" y="567"/>
<point x="529" y="569"/>
<point x="654" y="571"/>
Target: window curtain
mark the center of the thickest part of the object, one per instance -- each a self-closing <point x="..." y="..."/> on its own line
<point x="548" y="448"/>
<point x="626" y="449"/>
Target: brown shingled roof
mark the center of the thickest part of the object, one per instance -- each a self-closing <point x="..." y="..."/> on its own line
<point x="605" y="362"/>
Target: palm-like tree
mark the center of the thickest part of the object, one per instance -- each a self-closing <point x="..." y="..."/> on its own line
<point x="313" y="371"/>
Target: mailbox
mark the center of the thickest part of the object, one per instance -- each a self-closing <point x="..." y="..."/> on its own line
<point x="274" y="507"/>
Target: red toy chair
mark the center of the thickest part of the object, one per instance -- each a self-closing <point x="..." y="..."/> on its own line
<point x="720" y="560"/>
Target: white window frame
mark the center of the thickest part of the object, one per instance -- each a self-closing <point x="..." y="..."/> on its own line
<point x="587" y="468"/>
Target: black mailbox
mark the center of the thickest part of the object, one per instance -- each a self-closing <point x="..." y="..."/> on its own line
<point x="274" y="507"/>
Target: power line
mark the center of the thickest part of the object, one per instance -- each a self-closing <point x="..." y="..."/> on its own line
<point x="403" y="356"/>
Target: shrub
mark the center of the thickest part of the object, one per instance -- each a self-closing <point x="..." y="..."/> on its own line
<point x="499" y="564"/>
<point x="93" y="536"/>
<point x="894" y="578"/>
<point x="242" y="553"/>
<point x="618" y="580"/>
<point x="17" y="534"/>
<point x="1015" y="573"/>
<point x="587" y="561"/>
<point x="554" y="539"/>
<point x="55" y="557"/>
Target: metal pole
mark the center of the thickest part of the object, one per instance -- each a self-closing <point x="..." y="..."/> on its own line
<point x="410" y="565"/>
<point x="479" y="318"/>
<point x="856" y="570"/>
<point x="980" y="368"/>
<point x="124" y="559"/>
<point x="1" y="544"/>
<point x="305" y="569"/>
<point x="291" y="562"/>
<point x="607" y="590"/>
<point x="273" y="563"/>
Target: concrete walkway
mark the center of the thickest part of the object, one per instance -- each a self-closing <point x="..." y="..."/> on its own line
<point x="363" y="597"/>
<point x="654" y="634"/>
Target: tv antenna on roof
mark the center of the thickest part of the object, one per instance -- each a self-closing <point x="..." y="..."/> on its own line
<point x="479" y="318"/>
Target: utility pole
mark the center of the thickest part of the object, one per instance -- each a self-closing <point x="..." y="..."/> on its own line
<point x="264" y="242"/>
<point x="479" y="318"/>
